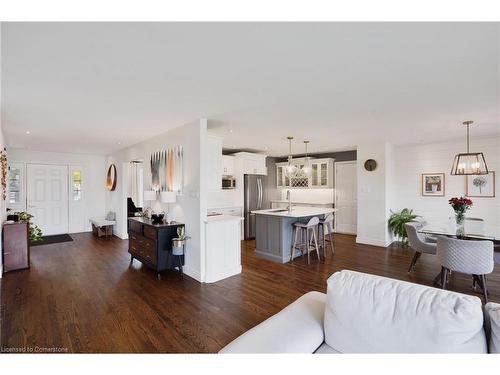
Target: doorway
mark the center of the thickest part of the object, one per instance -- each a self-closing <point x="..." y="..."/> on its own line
<point x="47" y="197"/>
<point x="346" y="197"/>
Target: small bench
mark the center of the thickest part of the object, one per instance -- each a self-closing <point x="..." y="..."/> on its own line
<point x="103" y="226"/>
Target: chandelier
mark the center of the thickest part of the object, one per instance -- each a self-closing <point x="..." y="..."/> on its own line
<point x="469" y="163"/>
<point x="290" y="169"/>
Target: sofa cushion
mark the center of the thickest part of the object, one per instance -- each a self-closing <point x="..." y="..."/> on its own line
<point x="372" y="314"/>
<point x="492" y="323"/>
<point x="298" y="328"/>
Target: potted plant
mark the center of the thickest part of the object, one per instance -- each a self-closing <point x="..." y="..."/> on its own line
<point x="397" y="223"/>
<point x="460" y="206"/>
<point x="35" y="233"/>
<point x="179" y="242"/>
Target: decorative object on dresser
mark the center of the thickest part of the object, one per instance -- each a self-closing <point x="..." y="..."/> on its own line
<point x="149" y="196"/>
<point x="111" y="178"/>
<point x="433" y="184"/>
<point x="35" y="233"/>
<point x="151" y="244"/>
<point x="370" y="165"/>
<point x="168" y="197"/>
<point x="15" y="246"/>
<point x="480" y="186"/>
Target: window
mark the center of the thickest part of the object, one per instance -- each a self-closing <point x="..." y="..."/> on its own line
<point x="15" y="185"/>
<point x="77" y="185"/>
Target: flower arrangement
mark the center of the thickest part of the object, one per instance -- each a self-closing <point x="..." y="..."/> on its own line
<point x="460" y="206"/>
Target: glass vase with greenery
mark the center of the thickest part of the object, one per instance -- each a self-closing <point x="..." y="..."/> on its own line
<point x="35" y="233"/>
<point x="397" y="223"/>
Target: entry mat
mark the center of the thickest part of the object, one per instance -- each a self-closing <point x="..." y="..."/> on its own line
<point x="58" y="238"/>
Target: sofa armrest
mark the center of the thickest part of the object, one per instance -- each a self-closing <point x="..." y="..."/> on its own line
<point x="298" y="328"/>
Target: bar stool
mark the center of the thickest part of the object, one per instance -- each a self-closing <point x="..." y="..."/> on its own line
<point x="326" y="226"/>
<point x="304" y="229"/>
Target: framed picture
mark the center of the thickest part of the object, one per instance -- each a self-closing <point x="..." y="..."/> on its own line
<point x="433" y="184"/>
<point x="482" y="186"/>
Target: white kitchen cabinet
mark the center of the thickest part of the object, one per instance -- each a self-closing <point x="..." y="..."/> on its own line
<point x="222" y="248"/>
<point x="253" y="163"/>
<point x="227" y="165"/>
<point x="214" y="162"/>
<point x="322" y="175"/>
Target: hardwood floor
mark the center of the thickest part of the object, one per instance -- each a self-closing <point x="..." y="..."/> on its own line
<point x="83" y="296"/>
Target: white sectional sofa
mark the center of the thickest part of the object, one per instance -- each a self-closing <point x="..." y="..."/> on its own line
<point x="364" y="313"/>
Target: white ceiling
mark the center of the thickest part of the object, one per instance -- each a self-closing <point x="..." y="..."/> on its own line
<point x="98" y="87"/>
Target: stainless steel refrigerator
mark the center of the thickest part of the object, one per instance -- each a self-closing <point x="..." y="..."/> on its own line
<point x="255" y="199"/>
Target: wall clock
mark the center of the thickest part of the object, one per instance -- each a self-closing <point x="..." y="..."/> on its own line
<point x="370" y="165"/>
<point x="111" y="178"/>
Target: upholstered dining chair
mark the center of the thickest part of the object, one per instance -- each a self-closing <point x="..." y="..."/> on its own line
<point x="474" y="225"/>
<point x="418" y="242"/>
<point x="466" y="256"/>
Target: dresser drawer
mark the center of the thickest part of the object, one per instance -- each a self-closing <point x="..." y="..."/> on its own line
<point x="149" y="250"/>
<point x="135" y="246"/>
<point x="150" y="233"/>
<point x="135" y="226"/>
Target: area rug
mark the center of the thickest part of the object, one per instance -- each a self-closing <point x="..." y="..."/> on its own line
<point x="58" y="238"/>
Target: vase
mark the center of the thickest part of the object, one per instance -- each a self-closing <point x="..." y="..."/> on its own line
<point x="460" y="221"/>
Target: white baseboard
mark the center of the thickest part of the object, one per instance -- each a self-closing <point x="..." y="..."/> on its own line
<point x="192" y="273"/>
<point x="372" y="241"/>
<point x="223" y="275"/>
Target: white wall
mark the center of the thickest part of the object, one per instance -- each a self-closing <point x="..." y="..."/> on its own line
<point x="413" y="160"/>
<point x="191" y="206"/>
<point x="93" y="176"/>
<point x="375" y="194"/>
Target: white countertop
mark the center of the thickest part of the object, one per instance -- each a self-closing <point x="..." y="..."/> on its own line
<point x="296" y="211"/>
<point x="217" y="218"/>
<point x="297" y="202"/>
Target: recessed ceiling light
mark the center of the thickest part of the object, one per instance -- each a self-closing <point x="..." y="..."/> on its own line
<point x="119" y="143"/>
<point x="230" y="130"/>
<point x="28" y="132"/>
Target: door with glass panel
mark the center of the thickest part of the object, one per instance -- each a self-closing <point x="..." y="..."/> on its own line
<point x="47" y="197"/>
<point x="16" y="199"/>
<point x="76" y="206"/>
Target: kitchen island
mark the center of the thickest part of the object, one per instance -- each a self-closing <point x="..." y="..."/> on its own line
<point x="274" y="230"/>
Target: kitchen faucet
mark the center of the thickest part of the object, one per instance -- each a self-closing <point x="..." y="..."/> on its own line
<point x="289" y="199"/>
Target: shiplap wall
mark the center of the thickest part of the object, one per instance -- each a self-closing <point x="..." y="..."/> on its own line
<point x="413" y="160"/>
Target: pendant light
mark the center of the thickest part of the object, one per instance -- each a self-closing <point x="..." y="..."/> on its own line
<point x="306" y="169"/>
<point x="469" y="163"/>
<point x="290" y="169"/>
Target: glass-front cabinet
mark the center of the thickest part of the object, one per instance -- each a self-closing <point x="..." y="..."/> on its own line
<point x="321" y="175"/>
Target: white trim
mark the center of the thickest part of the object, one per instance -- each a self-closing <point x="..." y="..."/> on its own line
<point x="355" y="162"/>
<point x="192" y="273"/>
<point x="372" y="241"/>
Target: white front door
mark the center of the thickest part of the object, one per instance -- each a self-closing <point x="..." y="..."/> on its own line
<point x="47" y="197"/>
<point x="346" y="197"/>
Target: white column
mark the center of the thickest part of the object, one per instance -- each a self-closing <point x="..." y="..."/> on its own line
<point x="375" y="194"/>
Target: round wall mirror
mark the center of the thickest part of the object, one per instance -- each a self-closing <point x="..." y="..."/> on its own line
<point x="111" y="178"/>
<point x="370" y="165"/>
